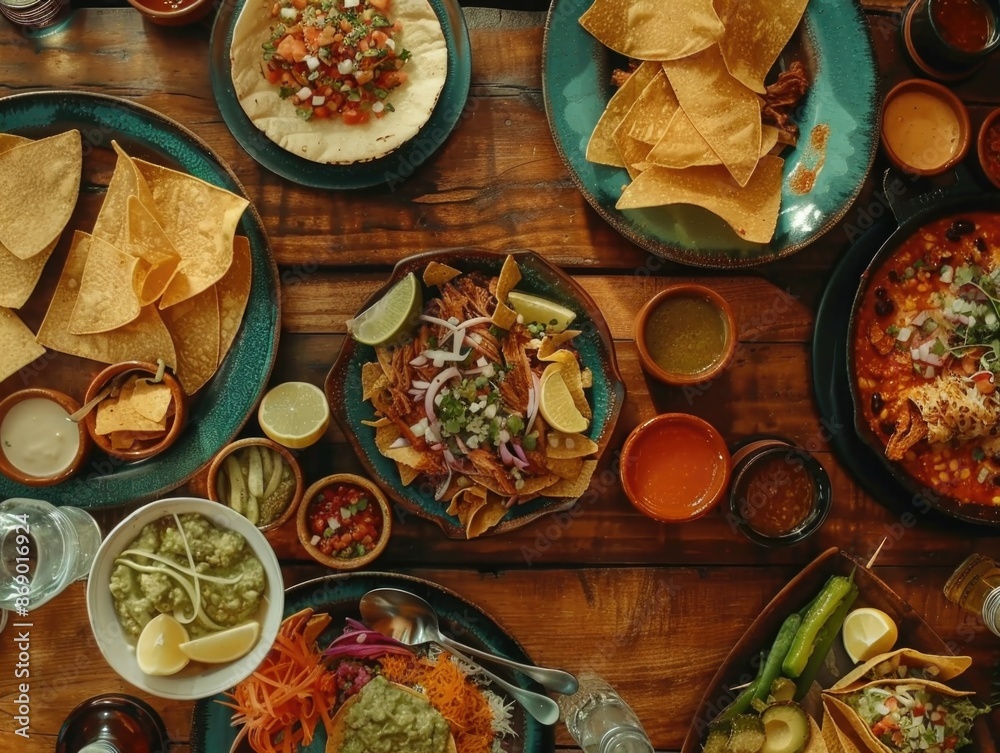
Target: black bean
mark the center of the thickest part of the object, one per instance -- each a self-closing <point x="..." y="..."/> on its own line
<point x="888" y="428"/>
<point x="981" y="246"/>
<point x="996" y="481"/>
<point x="881" y="293"/>
<point x="884" y="308"/>
<point x="893" y="276"/>
<point x="877" y="403"/>
<point x="964" y="227"/>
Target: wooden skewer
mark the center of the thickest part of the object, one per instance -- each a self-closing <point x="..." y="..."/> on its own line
<point x="874" y="557"/>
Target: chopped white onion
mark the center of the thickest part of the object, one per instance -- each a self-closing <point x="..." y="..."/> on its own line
<point x="352" y="3"/>
<point x="314" y="540"/>
<point x="345" y="67"/>
<point x="304" y="93"/>
<point x="420" y="384"/>
<point x="289" y="14"/>
<point x="391" y="44"/>
<point x="311" y="61"/>
<point x="317" y="101"/>
<point x="378" y="107"/>
<point x="400" y="442"/>
<point x="904" y="334"/>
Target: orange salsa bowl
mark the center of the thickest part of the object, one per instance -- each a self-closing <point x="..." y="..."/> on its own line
<point x="675" y="467"/>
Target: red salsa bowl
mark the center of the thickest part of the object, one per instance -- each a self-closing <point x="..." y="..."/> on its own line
<point x="344" y="521"/>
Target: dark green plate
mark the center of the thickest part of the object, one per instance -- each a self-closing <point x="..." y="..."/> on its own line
<point x="833" y="44"/>
<point x="393" y="168"/>
<point x="596" y="349"/>
<point x="220" y="409"/>
<point x="338" y="595"/>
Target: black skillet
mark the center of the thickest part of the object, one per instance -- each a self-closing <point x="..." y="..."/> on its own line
<point x="965" y="195"/>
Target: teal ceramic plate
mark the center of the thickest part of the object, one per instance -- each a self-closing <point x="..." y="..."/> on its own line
<point x="338" y="595"/>
<point x="219" y="410"/>
<point x="833" y="44"/>
<point x="392" y="168"/>
<point x="594" y="344"/>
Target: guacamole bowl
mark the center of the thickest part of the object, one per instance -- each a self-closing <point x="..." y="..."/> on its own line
<point x="239" y="583"/>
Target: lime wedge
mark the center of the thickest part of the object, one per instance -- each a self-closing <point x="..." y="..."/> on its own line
<point x="533" y="308"/>
<point x="556" y="402"/>
<point x="390" y="314"/>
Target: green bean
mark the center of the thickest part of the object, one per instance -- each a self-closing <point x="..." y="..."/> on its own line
<point x="743" y="700"/>
<point x="777" y="654"/>
<point x="824" y="642"/>
<point x="819" y="613"/>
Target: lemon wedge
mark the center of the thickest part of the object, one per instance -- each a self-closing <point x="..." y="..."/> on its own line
<point x="294" y="414"/>
<point x="223" y="646"/>
<point x="555" y="402"/>
<point x="534" y="308"/>
<point x="157" y="652"/>
<point x="868" y="632"/>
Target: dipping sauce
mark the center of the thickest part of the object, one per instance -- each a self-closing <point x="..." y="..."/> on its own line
<point x="686" y="334"/>
<point x="675" y="467"/>
<point x="966" y="25"/>
<point x="345" y="521"/>
<point x="921" y="129"/>
<point x="991" y="150"/>
<point x="38" y="438"/>
<point x="776" y="495"/>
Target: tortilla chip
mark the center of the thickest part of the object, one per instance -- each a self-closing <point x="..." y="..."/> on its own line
<point x="485" y="517"/>
<point x="17" y="344"/>
<point x="436" y="273"/>
<point x="20" y="276"/>
<point x="587" y="378"/>
<point x="112" y="223"/>
<point x="504" y="316"/>
<point x="535" y="484"/>
<point x="573" y="487"/>
<point x="9" y="141"/>
<point x="39" y="183"/>
<point x="829" y="731"/>
<point x="551" y="343"/>
<point x="143" y="339"/>
<point x="380" y="422"/>
<point x="654" y="29"/>
<point x="407" y="475"/>
<point x="601" y="148"/>
<point x="886" y="665"/>
<point x="650" y="114"/>
<point x="234" y="293"/>
<point x="565" y="446"/>
<point x="200" y="219"/>
<point x="118" y="414"/>
<point x="682" y="146"/>
<point x="106" y="299"/>
<point x="724" y="111"/>
<point x="816" y="743"/>
<point x="756" y="33"/>
<point x="565" y="468"/>
<point x="194" y="327"/>
<point x="385" y="435"/>
<point x="751" y="211"/>
<point x="768" y="138"/>
<point x="466" y="501"/>
<point x="151" y="400"/>
<point x="373" y="380"/>
<point x="158" y="259"/>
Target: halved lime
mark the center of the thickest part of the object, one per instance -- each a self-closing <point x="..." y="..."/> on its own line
<point x="390" y="314"/>
<point x="534" y="308"/>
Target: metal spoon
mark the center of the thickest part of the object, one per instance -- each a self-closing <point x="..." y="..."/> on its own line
<point x="412" y="620"/>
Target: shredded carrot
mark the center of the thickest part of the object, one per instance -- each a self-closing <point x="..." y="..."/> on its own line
<point x="451" y="693"/>
<point x="276" y="705"/>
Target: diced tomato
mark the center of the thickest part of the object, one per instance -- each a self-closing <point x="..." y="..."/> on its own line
<point x="918" y="710"/>
<point x="950" y="742"/>
<point x="363" y="77"/>
<point x="273" y="75"/>
<point x="291" y="48"/>
<point x="354" y="117"/>
<point x="891" y="703"/>
<point x="382" y="5"/>
<point x="299" y="4"/>
<point x="322" y="112"/>
<point x="311" y="34"/>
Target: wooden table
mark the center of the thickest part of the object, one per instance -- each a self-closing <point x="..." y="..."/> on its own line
<point x="653" y="608"/>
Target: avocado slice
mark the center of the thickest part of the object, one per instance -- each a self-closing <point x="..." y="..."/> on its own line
<point x="786" y="728"/>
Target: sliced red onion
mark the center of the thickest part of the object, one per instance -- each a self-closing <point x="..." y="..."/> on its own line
<point x="401" y="442"/>
<point x="475" y="321"/>
<point x="437" y="447"/>
<point x="519" y="451"/>
<point x="510" y="502"/>
<point x="443" y="486"/>
<point x="434" y="386"/>
<point x="476" y="371"/>
<point x="461" y="445"/>
<point x="444" y="355"/>
<point x="981" y="375"/>
<point x="419" y="361"/>
<point x="420" y="384"/>
<point x="440" y="322"/>
<point x="533" y="398"/>
<point x="505" y="455"/>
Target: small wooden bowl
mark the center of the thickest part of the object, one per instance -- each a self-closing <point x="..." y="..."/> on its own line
<point x="948" y="98"/>
<point x="692" y="290"/>
<point x="216" y="465"/>
<point x="175" y="423"/>
<point x="70" y="406"/>
<point x="664" y="439"/>
<point x="991" y="170"/>
<point x="305" y="535"/>
<point x="189" y="11"/>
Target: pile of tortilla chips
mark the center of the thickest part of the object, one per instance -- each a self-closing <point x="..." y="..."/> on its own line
<point x="478" y="499"/>
<point x="161" y="276"/>
<point x="686" y="124"/>
<point x="136" y="414"/>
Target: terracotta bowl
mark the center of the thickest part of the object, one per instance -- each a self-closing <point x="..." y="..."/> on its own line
<point x="946" y="96"/>
<point x="728" y="349"/>
<point x="70" y="406"/>
<point x="174" y="426"/>
<point x="690" y="461"/>
<point x="305" y="535"/>
<point x="992" y="171"/>
<point x="289" y="458"/>
<point x="187" y="12"/>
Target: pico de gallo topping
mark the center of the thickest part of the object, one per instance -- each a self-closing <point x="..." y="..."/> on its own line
<point x="345" y="520"/>
<point x="335" y="57"/>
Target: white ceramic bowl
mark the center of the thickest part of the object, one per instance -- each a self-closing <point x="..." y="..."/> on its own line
<point x="195" y="681"/>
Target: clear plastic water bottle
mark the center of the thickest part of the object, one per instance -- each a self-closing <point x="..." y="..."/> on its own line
<point x="600" y="721"/>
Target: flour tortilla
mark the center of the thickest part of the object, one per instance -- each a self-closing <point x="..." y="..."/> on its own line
<point x="331" y="140"/>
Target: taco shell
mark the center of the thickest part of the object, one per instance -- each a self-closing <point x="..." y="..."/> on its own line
<point x="330" y="140"/>
<point x="886" y="666"/>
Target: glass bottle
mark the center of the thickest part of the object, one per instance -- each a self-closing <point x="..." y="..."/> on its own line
<point x="113" y="723"/>
<point x="975" y="586"/>
<point x="600" y="721"/>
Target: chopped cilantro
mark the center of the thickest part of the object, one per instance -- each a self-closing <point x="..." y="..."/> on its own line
<point x="285" y="92"/>
<point x="978" y="454"/>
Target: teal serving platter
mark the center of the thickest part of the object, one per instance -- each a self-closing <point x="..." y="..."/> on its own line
<point x="595" y="347"/>
<point x="217" y="412"/>
<point x="338" y="596"/>
<point x="834" y="45"/>
<point x="391" y="169"/>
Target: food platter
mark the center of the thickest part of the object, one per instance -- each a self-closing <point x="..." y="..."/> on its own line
<point x="833" y="382"/>
<point x="914" y="633"/>
<point x="594" y="345"/>
<point x="338" y="595"/>
<point x="393" y="168"/>
<point x="834" y="44"/>
<point x="221" y="408"/>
